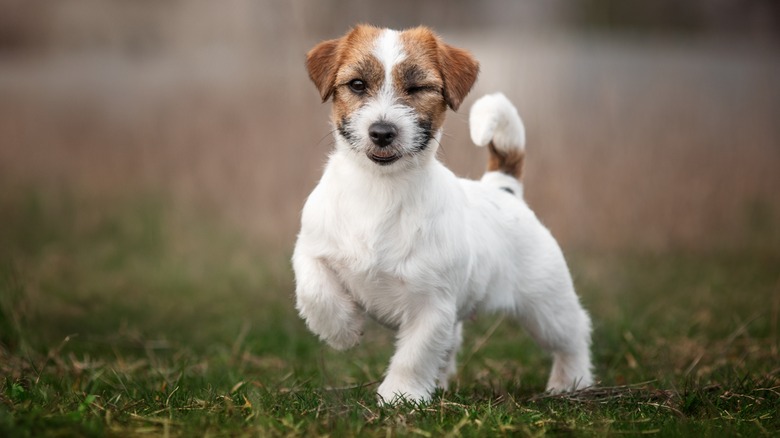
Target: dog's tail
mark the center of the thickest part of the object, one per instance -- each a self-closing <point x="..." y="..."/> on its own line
<point x="494" y="123"/>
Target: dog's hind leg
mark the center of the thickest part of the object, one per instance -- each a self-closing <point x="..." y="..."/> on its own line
<point x="561" y="326"/>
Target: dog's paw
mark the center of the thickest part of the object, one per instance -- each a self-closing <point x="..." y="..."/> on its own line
<point x="339" y="331"/>
<point x="570" y="372"/>
<point x="392" y="391"/>
<point x="559" y="384"/>
<point x="341" y="336"/>
<point x="337" y="322"/>
<point x="345" y="338"/>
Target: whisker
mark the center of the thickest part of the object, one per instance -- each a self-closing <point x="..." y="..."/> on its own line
<point x="442" y="150"/>
<point x="446" y="134"/>
<point x="329" y="134"/>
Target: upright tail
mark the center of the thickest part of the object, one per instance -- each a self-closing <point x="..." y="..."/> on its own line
<point x="494" y="123"/>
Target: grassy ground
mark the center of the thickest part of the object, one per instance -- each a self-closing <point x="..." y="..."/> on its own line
<point x="130" y="317"/>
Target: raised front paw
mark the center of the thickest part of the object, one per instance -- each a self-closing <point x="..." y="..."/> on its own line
<point x="341" y="328"/>
<point x="346" y="337"/>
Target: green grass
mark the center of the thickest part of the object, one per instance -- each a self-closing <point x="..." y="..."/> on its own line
<point x="134" y="317"/>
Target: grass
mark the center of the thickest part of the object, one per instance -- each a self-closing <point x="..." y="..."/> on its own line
<point x="136" y="317"/>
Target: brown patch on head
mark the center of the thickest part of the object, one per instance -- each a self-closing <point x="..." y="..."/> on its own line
<point x="510" y="163"/>
<point x="325" y="60"/>
<point x="433" y="75"/>
<point x="357" y="62"/>
<point x="430" y="77"/>
<point x="456" y="69"/>
<point x="344" y="60"/>
<point x="418" y="79"/>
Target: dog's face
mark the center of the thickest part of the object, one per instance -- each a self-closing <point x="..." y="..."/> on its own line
<point x="390" y="90"/>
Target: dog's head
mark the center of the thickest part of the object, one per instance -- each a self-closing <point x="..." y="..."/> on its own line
<point x="390" y="90"/>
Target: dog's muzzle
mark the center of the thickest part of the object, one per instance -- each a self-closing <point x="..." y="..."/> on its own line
<point x="382" y="134"/>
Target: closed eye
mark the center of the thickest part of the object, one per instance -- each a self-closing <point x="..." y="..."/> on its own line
<point x="416" y="89"/>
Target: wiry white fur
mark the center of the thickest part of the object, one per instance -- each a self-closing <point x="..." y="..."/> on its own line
<point x="494" y="118"/>
<point x="419" y="249"/>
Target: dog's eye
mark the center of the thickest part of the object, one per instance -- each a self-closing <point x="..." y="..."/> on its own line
<point x="415" y="89"/>
<point x="357" y="86"/>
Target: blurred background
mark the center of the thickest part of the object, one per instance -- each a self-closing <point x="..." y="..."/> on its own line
<point x="155" y="156"/>
<point x="652" y="126"/>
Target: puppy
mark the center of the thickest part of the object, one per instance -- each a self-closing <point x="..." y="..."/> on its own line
<point x="392" y="233"/>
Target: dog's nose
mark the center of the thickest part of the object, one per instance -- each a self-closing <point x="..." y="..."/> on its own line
<point x="382" y="133"/>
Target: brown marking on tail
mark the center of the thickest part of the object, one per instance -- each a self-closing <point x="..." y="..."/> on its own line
<point x="510" y="163"/>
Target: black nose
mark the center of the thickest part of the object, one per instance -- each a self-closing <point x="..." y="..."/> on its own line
<point x="382" y="133"/>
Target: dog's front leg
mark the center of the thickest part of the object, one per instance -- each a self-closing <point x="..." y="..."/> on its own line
<point x="321" y="300"/>
<point x="424" y="339"/>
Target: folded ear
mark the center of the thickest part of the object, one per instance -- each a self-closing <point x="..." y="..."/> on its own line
<point x="459" y="70"/>
<point x="322" y="63"/>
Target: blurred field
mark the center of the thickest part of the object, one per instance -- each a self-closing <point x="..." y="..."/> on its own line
<point x="638" y="142"/>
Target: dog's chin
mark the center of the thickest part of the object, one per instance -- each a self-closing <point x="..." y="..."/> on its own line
<point x="383" y="157"/>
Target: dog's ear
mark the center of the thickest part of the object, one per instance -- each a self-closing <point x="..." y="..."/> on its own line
<point x="322" y="63"/>
<point x="459" y="70"/>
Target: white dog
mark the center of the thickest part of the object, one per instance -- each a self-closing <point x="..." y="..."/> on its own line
<point x="392" y="233"/>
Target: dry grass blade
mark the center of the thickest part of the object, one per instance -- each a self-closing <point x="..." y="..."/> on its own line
<point x="604" y="393"/>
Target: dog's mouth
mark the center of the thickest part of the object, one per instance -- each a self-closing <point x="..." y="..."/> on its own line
<point x="383" y="157"/>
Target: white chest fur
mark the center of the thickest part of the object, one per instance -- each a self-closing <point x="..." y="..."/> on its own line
<point x="389" y="240"/>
